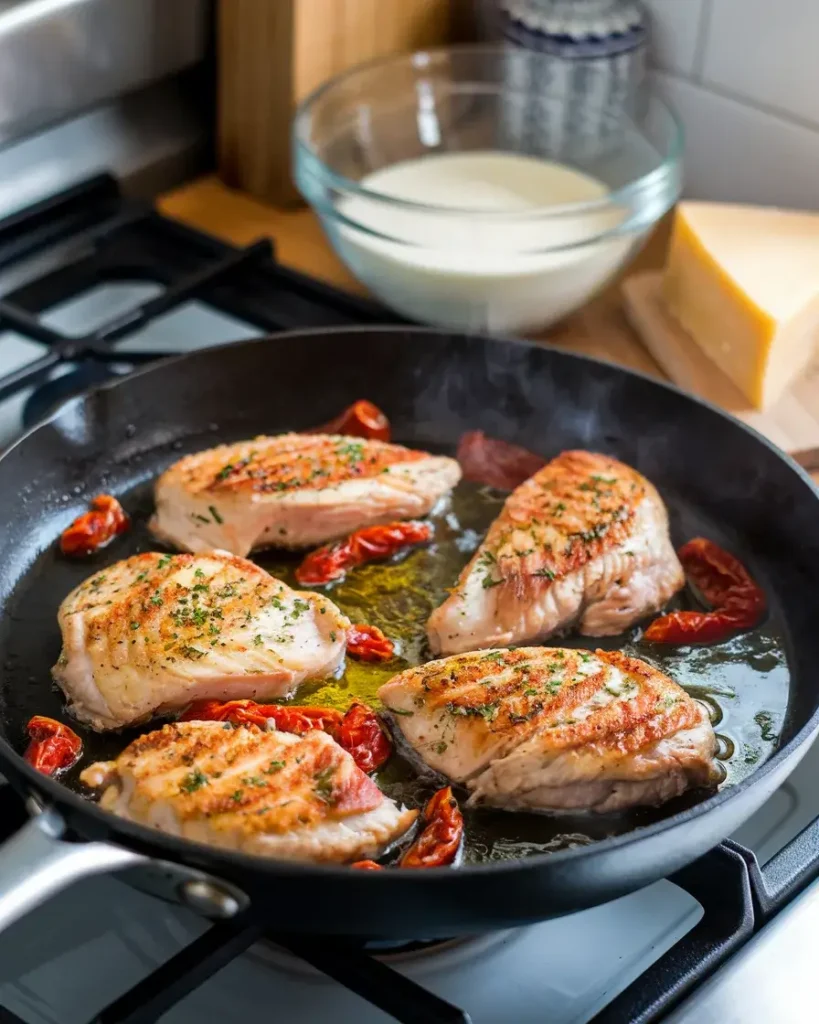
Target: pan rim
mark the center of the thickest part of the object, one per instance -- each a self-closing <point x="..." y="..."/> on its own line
<point x="175" y="848"/>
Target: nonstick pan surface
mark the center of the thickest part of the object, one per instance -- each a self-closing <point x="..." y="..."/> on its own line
<point x="718" y="478"/>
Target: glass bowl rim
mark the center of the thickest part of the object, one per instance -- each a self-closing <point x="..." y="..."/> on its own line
<point x="622" y="196"/>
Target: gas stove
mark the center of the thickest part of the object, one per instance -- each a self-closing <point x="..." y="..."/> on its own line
<point x="94" y="285"/>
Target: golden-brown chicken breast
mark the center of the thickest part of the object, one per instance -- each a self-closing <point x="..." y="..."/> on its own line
<point x="294" y="490"/>
<point x="155" y="632"/>
<point x="583" y="542"/>
<point x="250" y="789"/>
<point x="554" y="728"/>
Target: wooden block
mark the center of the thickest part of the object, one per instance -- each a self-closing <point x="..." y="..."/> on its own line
<point x="793" y="423"/>
<point x="272" y="53"/>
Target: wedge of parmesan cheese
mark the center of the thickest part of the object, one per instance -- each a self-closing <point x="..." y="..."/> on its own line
<point x="744" y="282"/>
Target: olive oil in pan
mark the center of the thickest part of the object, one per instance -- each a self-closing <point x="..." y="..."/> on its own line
<point x="743" y="682"/>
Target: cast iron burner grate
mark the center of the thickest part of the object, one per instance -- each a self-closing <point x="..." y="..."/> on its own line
<point x="95" y="237"/>
<point x="90" y="235"/>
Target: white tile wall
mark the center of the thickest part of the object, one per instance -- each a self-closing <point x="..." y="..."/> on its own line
<point x="744" y="77"/>
<point x="675" y="33"/>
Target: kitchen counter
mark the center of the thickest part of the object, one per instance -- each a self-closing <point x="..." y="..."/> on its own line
<point x="599" y="329"/>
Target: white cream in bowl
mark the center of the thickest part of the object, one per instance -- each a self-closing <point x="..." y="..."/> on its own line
<point x="514" y="242"/>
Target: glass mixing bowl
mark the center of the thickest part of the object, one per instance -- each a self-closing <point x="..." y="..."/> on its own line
<point x="484" y="245"/>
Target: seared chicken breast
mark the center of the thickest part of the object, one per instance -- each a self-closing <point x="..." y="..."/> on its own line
<point x="155" y="632"/>
<point x="253" y="790"/>
<point x="295" y="490"/>
<point x="583" y="542"/>
<point x="554" y="729"/>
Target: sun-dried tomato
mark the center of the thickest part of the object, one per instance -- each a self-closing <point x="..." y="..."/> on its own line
<point x="53" y="747"/>
<point x="363" y="737"/>
<point x="361" y="419"/>
<point x="440" y="840"/>
<point x="331" y="562"/>
<point x="487" y="460"/>
<point x="368" y="643"/>
<point x="737" y="600"/>
<point x="288" y="719"/>
<point x="358" y="731"/>
<point x="93" y="530"/>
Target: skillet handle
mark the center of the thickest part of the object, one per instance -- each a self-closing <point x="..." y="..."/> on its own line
<point x="775" y="883"/>
<point x="35" y="863"/>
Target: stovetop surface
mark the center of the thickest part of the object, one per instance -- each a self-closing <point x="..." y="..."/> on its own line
<point x="94" y="285"/>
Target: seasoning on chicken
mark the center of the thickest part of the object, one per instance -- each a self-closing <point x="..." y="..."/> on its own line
<point x="155" y="632"/>
<point x="554" y="729"/>
<point x="250" y="789"/>
<point x="583" y="542"/>
<point x="293" y="491"/>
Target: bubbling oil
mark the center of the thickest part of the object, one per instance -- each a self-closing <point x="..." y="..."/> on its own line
<point x="743" y="682"/>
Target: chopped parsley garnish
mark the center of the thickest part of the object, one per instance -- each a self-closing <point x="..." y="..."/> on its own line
<point x="199" y="574"/>
<point x="494" y="656"/>
<point x="193" y="653"/>
<point x="488" y="582"/>
<point x="333" y="635"/>
<point x="200" y="519"/>
<point x="134" y="625"/>
<point x="193" y="780"/>
<point x="254" y="780"/>
<point x="139" y="578"/>
<point x="324" y="783"/>
<point x="353" y="451"/>
<point x="440" y="747"/>
<point x="486" y="711"/>
<point x="274" y="766"/>
<point x="530" y="692"/>
<point x="215" y="513"/>
<point x="257" y="640"/>
<point x="237" y="795"/>
<point x="547" y="573"/>
<point x="163" y="561"/>
<point x="764" y="720"/>
<point x="401" y="711"/>
<point x="156" y="599"/>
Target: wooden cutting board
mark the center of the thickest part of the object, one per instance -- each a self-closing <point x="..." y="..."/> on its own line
<point x="792" y="424"/>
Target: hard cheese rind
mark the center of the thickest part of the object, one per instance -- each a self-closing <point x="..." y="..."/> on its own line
<point x="744" y="282"/>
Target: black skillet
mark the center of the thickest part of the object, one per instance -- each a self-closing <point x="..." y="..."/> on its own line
<point x="433" y="386"/>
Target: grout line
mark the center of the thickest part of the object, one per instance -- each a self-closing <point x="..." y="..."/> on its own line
<point x="702" y="40"/>
<point x="714" y="89"/>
